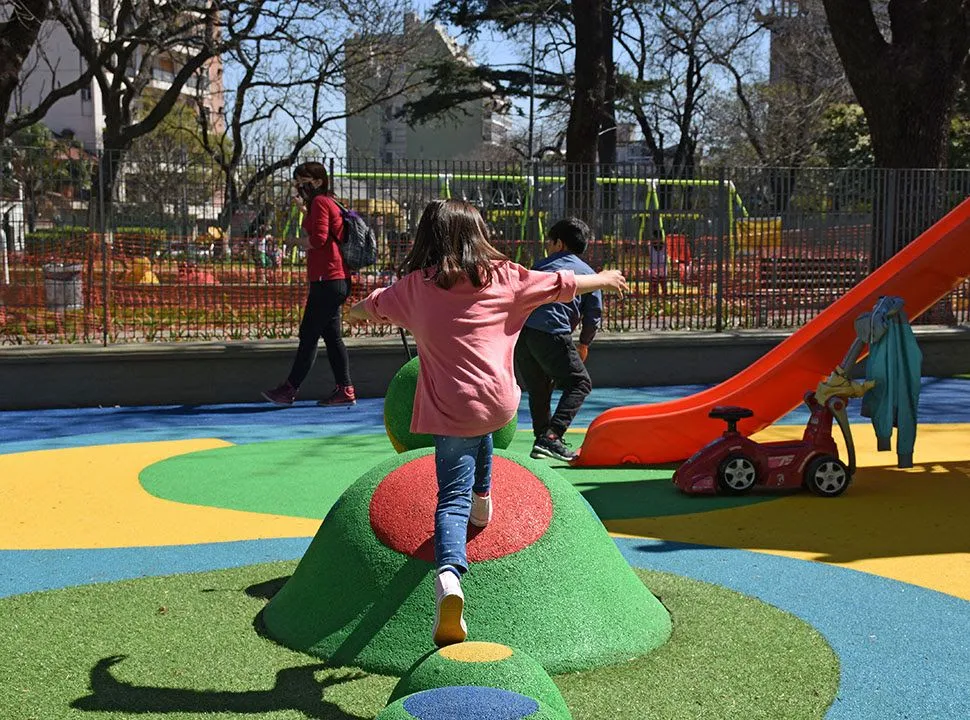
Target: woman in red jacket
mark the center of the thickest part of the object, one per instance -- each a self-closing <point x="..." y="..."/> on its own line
<point x="329" y="289"/>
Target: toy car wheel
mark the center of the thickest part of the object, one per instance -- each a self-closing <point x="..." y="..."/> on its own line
<point x="827" y="476"/>
<point x="737" y="474"/>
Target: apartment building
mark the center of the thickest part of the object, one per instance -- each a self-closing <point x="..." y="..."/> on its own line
<point x="56" y="61"/>
<point x="378" y="134"/>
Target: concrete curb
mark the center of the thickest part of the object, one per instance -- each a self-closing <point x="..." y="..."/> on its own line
<point x="38" y="376"/>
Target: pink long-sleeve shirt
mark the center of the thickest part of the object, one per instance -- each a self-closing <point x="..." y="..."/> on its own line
<point x="466" y="339"/>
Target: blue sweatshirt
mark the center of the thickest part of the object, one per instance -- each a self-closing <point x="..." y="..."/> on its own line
<point x="562" y="318"/>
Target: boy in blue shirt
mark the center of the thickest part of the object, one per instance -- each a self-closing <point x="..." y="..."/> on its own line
<point x="545" y="352"/>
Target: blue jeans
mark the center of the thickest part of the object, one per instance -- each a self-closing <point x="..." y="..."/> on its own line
<point x="462" y="464"/>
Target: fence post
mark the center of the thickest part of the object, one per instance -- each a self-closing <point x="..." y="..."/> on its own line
<point x="535" y="224"/>
<point x="105" y="270"/>
<point x="720" y="229"/>
<point x="886" y="202"/>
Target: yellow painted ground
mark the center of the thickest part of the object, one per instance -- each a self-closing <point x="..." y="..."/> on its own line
<point x="912" y="525"/>
<point x="90" y="497"/>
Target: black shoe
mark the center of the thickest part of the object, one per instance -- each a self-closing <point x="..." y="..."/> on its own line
<point x="549" y="446"/>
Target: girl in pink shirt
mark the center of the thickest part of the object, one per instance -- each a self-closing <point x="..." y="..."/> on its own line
<point x="465" y="303"/>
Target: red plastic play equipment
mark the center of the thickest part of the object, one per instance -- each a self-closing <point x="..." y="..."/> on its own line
<point x="734" y="464"/>
<point x="921" y="273"/>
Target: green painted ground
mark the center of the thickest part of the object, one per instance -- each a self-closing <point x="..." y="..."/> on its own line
<point x="184" y="648"/>
<point x="303" y="478"/>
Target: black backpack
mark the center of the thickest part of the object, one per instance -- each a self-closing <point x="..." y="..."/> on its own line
<point x="359" y="243"/>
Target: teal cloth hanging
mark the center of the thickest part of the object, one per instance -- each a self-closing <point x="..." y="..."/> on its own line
<point x="895" y="362"/>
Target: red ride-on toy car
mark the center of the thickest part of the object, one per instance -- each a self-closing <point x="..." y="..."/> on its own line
<point x="734" y="464"/>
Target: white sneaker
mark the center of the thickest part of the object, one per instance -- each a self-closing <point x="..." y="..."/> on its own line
<point x="481" y="514"/>
<point x="449" y="621"/>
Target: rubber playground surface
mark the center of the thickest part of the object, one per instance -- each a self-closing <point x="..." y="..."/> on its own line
<point x="882" y="573"/>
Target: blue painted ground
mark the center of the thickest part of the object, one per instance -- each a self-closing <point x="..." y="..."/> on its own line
<point x="943" y="400"/>
<point x="895" y="641"/>
<point x="23" y="571"/>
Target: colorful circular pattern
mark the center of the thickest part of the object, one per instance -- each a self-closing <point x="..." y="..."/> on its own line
<point x="470" y="703"/>
<point x="403" y="506"/>
<point x="482" y="665"/>
<point x="475" y="652"/>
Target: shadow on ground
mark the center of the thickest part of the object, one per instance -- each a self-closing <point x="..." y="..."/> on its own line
<point x="296" y="688"/>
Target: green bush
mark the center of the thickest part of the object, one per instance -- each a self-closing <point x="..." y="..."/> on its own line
<point x="73" y="240"/>
<point x="64" y="240"/>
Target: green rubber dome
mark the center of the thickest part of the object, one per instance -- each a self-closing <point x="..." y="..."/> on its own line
<point x="544" y="576"/>
<point x="468" y="703"/>
<point x="483" y="664"/>
<point x="399" y="406"/>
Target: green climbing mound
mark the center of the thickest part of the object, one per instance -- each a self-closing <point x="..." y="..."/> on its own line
<point x="469" y="703"/>
<point x="399" y="406"/>
<point x="544" y="576"/>
<point x="482" y="664"/>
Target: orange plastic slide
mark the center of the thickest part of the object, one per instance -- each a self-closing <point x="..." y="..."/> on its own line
<point x="921" y="273"/>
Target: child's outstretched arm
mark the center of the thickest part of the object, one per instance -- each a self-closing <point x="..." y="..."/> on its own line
<point x="606" y="280"/>
<point x="358" y="313"/>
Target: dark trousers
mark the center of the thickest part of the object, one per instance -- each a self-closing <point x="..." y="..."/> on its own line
<point x="546" y="361"/>
<point x="321" y="319"/>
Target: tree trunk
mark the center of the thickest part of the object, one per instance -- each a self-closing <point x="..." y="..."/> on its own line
<point x="607" y="140"/>
<point x="17" y="36"/>
<point x="905" y="204"/>
<point x="103" y="187"/>
<point x="907" y="87"/>
<point x="585" y="114"/>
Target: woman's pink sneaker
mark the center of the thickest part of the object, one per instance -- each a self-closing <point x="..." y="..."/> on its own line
<point x="284" y="394"/>
<point x="343" y="395"/>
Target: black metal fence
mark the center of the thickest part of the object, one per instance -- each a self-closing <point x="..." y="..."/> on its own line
<point x="164" y="249"/>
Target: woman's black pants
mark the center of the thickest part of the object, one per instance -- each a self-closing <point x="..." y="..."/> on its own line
<point x="321" y="319"/>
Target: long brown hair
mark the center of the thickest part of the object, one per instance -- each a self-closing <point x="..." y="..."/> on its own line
<point x="452" y="238"/>
<point x="314" y="171"/>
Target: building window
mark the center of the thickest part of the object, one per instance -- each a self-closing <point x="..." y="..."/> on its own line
<point x="388" y="137"/>
<point x="164" y="69"/>
<point x="85" y="94"/>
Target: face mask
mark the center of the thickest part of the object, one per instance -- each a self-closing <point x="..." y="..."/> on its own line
<point x="305" y="189"/>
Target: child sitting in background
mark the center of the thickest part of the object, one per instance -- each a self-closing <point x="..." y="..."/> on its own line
<point x="465" y="303"/>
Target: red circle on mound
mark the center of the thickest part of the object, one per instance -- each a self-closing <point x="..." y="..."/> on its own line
<point x="403" y="505"/>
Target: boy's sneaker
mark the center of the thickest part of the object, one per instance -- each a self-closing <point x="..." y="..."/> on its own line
<point x="481" y="513"/>
<point x="449" y="620"/>
<point x="343" y="395"/>
<point x="550" y="446"/>
<point x="284" y="394"/>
